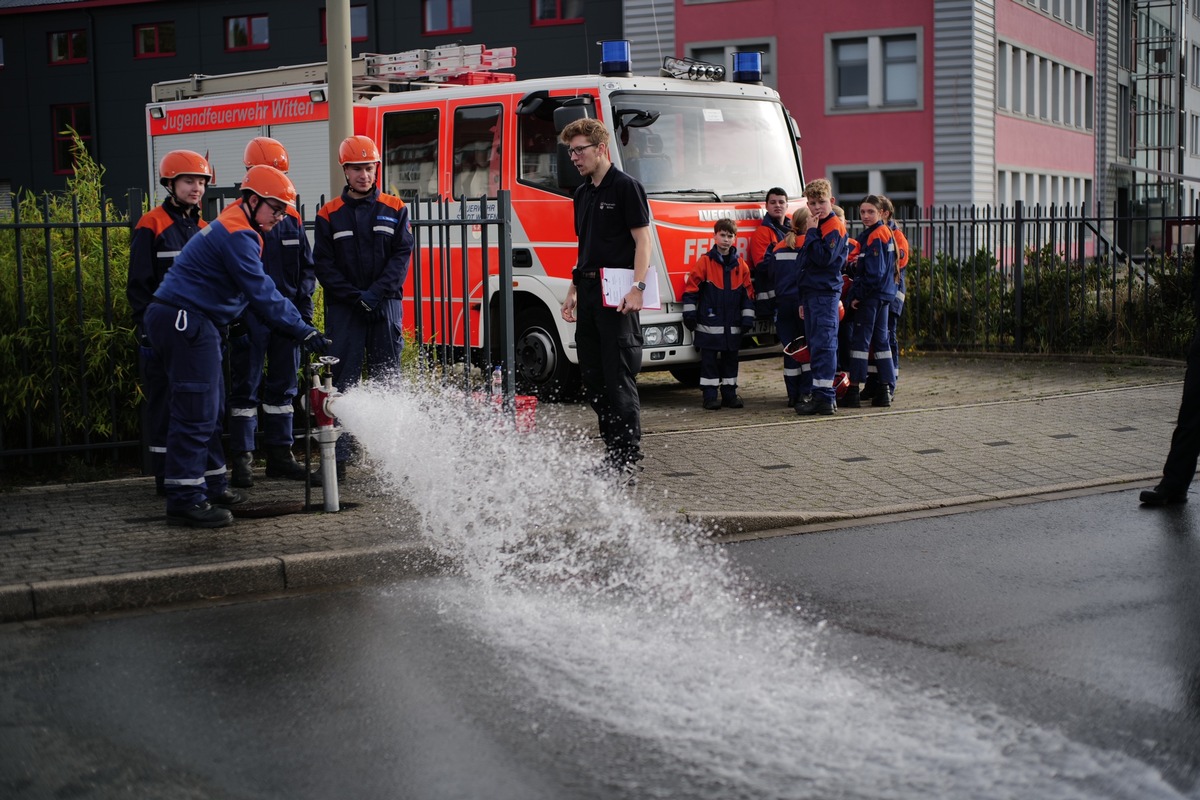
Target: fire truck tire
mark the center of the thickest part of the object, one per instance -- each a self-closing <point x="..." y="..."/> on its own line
<point x="542" y="366"/>
<point x="688" y="376"/>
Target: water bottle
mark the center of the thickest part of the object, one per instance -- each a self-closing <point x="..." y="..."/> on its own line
<point x="497" y="381"/>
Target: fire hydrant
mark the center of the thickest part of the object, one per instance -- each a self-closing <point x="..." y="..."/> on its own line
<point x="320" y="404"/>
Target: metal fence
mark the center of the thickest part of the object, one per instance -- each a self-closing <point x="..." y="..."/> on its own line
<point x="1048" y="279"/>
<point x="1019" y="279"/>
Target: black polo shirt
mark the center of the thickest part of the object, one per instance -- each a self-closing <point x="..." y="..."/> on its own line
<point x="604" y="216"/>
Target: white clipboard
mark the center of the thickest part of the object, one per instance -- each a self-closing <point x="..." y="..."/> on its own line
<point x="616" y="283"/>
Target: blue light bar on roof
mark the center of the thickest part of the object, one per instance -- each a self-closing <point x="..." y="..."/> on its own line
<point x="615" y="58"/>
<point x="747" y="67"/>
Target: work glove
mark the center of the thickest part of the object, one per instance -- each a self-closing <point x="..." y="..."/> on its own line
<point x="142" y="339"/>
<point x="370" y="301"/>
<point x="315" y="343"/>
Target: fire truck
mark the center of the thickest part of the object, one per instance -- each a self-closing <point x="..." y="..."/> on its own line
<point x="451" y="125"/>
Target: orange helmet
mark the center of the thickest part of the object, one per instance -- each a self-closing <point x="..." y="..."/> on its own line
<point x="183" y="162"/>
<point x="265" y="150"/>
<point x="357" y="150"/>
<point x="269" y="182"/>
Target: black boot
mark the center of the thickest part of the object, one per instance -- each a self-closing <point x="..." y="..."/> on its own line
<point x="730" y="398"/>
<point x="282" y="464"/>
<point x="243" y="470"/>
<point x="203" y="515"/>
<point x="1159" y="496"/>
<point x="851" y="398"/>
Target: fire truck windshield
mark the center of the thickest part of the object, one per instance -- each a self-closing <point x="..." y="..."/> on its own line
<point x="707" y="148"/>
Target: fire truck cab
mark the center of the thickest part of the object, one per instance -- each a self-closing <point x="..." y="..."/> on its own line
<point x="703" y="149"/>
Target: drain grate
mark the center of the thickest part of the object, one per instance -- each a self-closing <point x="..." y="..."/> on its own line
<point x="1063" y="436"/>
<point x="1001" y="443"/>
<point x="930" y="451"/>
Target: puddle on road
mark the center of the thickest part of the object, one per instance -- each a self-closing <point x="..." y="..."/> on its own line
<point x="635" y="626"/>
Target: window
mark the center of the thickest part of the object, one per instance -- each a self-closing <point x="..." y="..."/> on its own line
<point x="1193" y="135"/>
<point x="1034" y="86"/>
<point x="63" y="120"/>
<point x="358" y="25"/>
<point x="851" y="72"/>
<point x="157" y="39"/>
<point x="247" y="33"/>
<point x="723" y="55"/>
<point x="68" y="47"/>
<point x="900" y="79"/>
<point x="1079" y="14"/>
<point x="901" y="185"/>
<point x="548" y="12"/>
<point x="410" y="153"/>
<point x="476" y="170"/>
<point x="447" y="16"/>
<point x="539" y="151"/>
<point x="876" y="72"/>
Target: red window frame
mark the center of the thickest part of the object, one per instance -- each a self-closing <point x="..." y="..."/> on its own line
<point x="157" y="29"/>
<point x="449" y="7"/>
<point x="61" y="139"/>
<point x="250" y="44"/>
<point x="73" y="37"/>
<point x="353" y="38"/>
<point x="558" y="18"/>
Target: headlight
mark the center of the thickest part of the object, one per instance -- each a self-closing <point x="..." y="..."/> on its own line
<point x="671" y="334"/>
<point x="652" y="336"/>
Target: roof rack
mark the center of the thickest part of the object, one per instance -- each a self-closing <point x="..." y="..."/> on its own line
<point x="368" y="72"/>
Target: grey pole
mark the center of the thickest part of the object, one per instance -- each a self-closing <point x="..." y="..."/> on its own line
<point x="341" y="115"/>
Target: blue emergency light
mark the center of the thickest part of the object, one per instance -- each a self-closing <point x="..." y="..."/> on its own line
<point x="615" y="58"/>
<point x="747" y="67"/>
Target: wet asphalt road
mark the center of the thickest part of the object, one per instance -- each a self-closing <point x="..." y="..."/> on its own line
<point x="1075" y="622"/>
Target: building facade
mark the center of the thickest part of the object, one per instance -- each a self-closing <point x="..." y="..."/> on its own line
<point x="89" y="64"/>
<point x="978" y="102"/>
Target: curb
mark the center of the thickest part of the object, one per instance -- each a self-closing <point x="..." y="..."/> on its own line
<point x="324" y="569"/>
<point x="134" y="590"/>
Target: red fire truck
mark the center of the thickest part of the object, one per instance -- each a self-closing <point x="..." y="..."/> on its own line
<point x="451" y="126"/>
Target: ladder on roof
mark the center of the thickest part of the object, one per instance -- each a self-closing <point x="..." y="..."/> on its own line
<point x="369" y="69"/>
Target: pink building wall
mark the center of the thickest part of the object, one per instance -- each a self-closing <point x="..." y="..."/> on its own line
<point x="877" y="138"/>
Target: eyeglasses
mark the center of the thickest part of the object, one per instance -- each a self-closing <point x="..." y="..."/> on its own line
<point x="278" y="212"/>
<point x="578" y="151"/>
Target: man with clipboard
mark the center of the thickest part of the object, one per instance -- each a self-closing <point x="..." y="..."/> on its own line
<point x="612" y="221"/>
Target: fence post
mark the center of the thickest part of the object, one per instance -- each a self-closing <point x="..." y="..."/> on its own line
<point x="505" y="306"/>
<point x="1018" y="274"/>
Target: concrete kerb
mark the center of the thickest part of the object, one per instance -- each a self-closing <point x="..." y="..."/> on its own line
<point x="297" y="572"/>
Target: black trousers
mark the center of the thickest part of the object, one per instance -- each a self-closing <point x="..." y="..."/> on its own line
<point x="1185" y="441"/>
<point x="609" y="345"/>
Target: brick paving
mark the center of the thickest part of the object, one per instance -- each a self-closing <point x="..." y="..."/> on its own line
<point x="962" y="430"/>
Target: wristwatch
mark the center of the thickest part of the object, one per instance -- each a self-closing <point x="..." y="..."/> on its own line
<point x="640" y="286"/>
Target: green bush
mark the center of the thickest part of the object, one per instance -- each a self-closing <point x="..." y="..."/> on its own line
<point x="65" y="337"/>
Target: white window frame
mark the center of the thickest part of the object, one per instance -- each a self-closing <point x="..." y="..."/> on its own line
<point x="768" y="45"/>
<point x="875" y="71"/>
<point x="875" y="178"/>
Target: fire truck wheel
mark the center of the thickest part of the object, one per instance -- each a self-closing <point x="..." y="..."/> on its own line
<point x="688" y="376"/>
<point x="542" y="367"/>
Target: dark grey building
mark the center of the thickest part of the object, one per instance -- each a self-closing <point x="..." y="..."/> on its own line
<point x="90" y="63"/>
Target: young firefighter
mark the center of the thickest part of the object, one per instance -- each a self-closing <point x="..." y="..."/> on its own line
<point x="767" y="235"/>
<point x="822" y="259"/>
<point x="361" y="254"/>
<point x="214" y="279"/>
<point x="784" y="262"/>
<point x="887" y="211"/>
<point x="287" y="260"/>
<point x="871" y="298"/>
<point x="157" y="240"/>
<point x="718" y="305"/>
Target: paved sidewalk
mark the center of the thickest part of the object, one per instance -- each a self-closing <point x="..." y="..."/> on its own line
<point x="962" y="430"/>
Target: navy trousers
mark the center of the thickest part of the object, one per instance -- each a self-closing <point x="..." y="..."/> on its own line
<point x="364" y="346"/>
<point x="251" y="384"/>
<point x="189" y="346"/>
<point x="821" y="330"/>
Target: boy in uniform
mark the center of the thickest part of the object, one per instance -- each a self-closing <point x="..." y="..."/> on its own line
<point x="887" y="211"/>
<point x="718" y="306"/>
<point x="822" y="259"/>
<point x="770" y="232"/>
<point x="156" y="241"/>
<point x="871" y="299"/>
<point x="361" y="254"/>
<point x="287" y="260"/>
